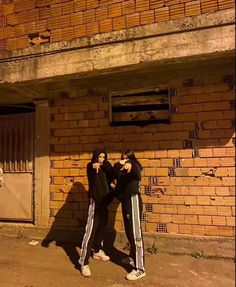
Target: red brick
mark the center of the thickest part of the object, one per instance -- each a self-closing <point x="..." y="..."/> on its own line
<point x="162" y="14"/>
<point x="142" y="5"/>
<point x="193" y="8"/>
<point x="185" y="229"/>
<point x="79" y="5"/>
<point x="209" y="6"/>
<point x="226" y="231"/>
<point x="224" y="210"/>
<point x="133" y="20"/>
<point x="230" y="221"/>
<point x="67" y="34"/>
<point x="105" y="25"/>
<point x="92" y="4"/>
<point x="198" y="230"/>
<point x="172" y="228"/>
<point x="76" y="19"/>
<point x="212" y="230"/>
<point x="89" y="16"/>
<point x="114" y="10"/>
<point x="147" y="17"/>
<point x="101" y="13"/>
<point x="156" y="4"/>
<point x="128" y="7"/>
<point x="177" y="11"/>
<point x="92" y="28"/>
<point x="56" y="10"/>
<point x="218" y="220"/>
<point x="210" y="210"/>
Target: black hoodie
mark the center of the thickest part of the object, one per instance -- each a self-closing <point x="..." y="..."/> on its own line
<point x="99" y="182"/>
<point x="127" y="183"/>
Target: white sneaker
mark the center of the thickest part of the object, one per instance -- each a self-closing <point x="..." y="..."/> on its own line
<point x="128" y="261"/>
<point x="135" y="274"/>
<point x="101" y="256"/>
<point x="85" y="270"/>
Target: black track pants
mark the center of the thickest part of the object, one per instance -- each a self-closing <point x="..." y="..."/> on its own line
<point x="94" y="231"/>
<point x="131" y="210"/>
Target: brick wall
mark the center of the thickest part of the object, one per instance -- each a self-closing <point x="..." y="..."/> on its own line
<point x="32" y="22"/>
<point x="188" y="178"/>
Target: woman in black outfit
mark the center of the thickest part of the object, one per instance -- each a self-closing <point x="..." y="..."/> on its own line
<point x="128" y="175"/>
<point x="100" y="175"/>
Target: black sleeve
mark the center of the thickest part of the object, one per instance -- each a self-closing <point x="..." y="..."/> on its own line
<point x="92" y="176"/>
<point x="91" y="173"/>
<point x="117" y="170"/>
<point x="135" y="171"/>
<point x="109" y="170"/>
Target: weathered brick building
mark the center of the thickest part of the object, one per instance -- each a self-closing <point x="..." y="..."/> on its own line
<point x="156" y="76"/>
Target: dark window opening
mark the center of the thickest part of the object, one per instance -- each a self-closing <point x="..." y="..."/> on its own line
<point x="139" y="107"/>
<point x="10" y="109"/>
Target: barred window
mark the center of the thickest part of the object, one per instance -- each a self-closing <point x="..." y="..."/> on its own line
<point x="139" y="107"/>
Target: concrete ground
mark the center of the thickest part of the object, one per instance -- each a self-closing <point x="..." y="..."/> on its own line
<point x="24" y="265"/>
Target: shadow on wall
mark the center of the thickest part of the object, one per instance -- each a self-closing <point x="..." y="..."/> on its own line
<point x="61" y="231"/>
<point x="195" y="146"/>
<point x="69" y="238"/>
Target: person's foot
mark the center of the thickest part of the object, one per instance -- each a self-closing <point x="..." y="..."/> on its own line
<point x="85" y="270"/>
<point x="128" y="261"/>
<point x="100" y="255"/>
<point x="135" y="274"/>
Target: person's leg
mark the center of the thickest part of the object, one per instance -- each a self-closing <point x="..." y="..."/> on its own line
<point x="133" y="230"/>
<point x="136" y="206"/>
<point x="102" y="214"/>
<point x="127" y="218"/>
<point x="98" y="252"/>
<point x="89" y="235"/>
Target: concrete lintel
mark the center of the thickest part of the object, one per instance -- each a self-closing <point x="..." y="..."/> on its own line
<point x="173" y="47"/>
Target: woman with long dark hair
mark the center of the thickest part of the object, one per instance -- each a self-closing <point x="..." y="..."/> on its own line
<point x="128" y="175"/>
<point x="100" y="175"/>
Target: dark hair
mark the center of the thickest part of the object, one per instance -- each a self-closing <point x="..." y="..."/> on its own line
<point x="96" y="154"/>
<point x="131" y="156"/>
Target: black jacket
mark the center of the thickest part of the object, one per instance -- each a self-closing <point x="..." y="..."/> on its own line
<point x="127" y="183"/>
<point x="99" y="183"/>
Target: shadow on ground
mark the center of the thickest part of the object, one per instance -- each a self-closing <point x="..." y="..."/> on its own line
<point x="65" y="238"/>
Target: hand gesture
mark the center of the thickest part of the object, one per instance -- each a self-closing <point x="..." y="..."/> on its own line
<point x="96" y="166"/>
<point x="128" y="167"/>
<point x="123" y="161"/>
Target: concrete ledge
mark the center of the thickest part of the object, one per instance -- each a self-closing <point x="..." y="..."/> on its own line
<point x="209" y="247"/>
<point x="203" y="21"/>
<point x="173" y="41"/>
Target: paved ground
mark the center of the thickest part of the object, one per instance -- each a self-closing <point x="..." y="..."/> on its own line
<point x="23" y="265"/>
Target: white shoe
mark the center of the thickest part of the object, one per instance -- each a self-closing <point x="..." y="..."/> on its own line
<point x="101" y="256"/>
<point x="85" y="270"/>
<point x="135" y="274"/>
<point x="128" y="261"/>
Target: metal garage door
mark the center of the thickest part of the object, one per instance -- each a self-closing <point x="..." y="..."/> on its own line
<point x="17" y="164"/>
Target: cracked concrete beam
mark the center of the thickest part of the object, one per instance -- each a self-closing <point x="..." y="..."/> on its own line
<point x="176" y="41"/>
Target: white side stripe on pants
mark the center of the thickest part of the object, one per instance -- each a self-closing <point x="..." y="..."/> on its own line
<point x="88" y="231"/>
<point x="137" y="232"/>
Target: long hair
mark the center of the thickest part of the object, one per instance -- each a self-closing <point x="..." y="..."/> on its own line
<point x="131" y="156"/>
<point x="96" y="154"/>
